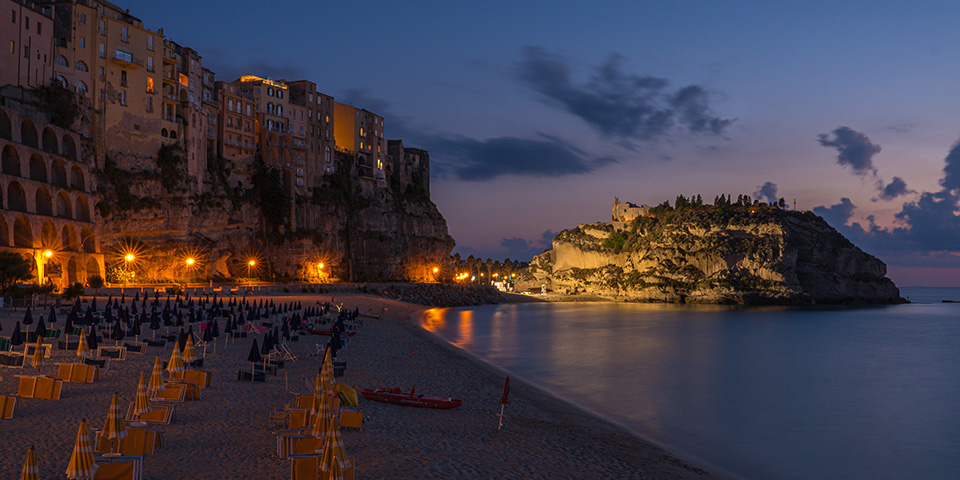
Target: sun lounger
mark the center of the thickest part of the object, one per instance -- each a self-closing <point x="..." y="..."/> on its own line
<point x="155" y="342"/>
<point x="40" y="386"/>
<point x="115" y="353"/>
<point x="139" y="441"/>
<point x="119" y="467"/>
<point x="297" y="442"/>
<point x="192" y="390"/>
<point x="304" y="400"/>
<point x="307" y="467"/>
<point x="77" y="372"/>
<point x="351" y="419"/>
<point x="245" y="376"/>
<point x="29" y="348"/>
<point x="299" y="417"/>
<point x="4" y="344"/>
<point x="101" y="363"/>
<point x="172" y="392"/>
<point x="135" y="347"/>
<point x="53" y="333"/>
<point x="12" y="360"/>
<point x="69" y="345"/>
<point x="198" y="377"/>
<point x="159" y="413"/>
<point x="8" y="406"/>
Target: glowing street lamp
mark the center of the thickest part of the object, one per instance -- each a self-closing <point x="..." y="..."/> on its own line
<point x="190" y="262"/>
<point x="250" y="264"/>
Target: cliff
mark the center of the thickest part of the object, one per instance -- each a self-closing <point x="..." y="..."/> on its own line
<point x="730" y="255"/>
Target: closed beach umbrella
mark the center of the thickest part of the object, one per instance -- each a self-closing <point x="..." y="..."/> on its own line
<point x="141" y="405"/>
<point x="117" y="333"/>
<point x="318" y="394"/>
<point x="92" y="339"/>
<point x="38" y="355"/>
<point x="41" y="327"/>
<point x="83" y="349"/>
<point x="175" y="365"/>
<point x="326" y="373"/>
<point x="321" y="424"/>
<point x="156" y="377"/>
<point x="189" y="353"/>
<point x="253" y="357"/>
<point x="336" y="473"/>
<point x="16" y="338"/>
<point x="52" y="318"/>
<point x="82" y="466"/>
<point x="333" y="449"/>
<point x="28" y="317"/>
<point x="114" y="429"/>
<point x="31" y="471"/>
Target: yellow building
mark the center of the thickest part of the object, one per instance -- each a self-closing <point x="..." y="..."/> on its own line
<point x="359" y="132"/>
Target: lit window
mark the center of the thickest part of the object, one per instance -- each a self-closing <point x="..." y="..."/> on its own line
<point x="150" y="84"/>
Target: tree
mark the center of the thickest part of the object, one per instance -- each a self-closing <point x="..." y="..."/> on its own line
<point x="95" y="282"/>
<point x="13" y="268"/>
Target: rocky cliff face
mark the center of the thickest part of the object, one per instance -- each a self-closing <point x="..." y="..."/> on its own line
<point x="733" y="255"/>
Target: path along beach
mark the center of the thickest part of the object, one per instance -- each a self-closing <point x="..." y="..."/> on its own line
<point x="229" y="433"/>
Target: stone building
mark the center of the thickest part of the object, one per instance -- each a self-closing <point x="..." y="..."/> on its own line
<point x="26" y="39"/>
<point x="47" y="198"/>
<point x="626" y="212"/>
<point x="409" y="169"/>
<point x="359" y="132"/>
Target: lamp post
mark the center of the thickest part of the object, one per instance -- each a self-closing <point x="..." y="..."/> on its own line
<point x="252" y="263"/>
<point x="41" y="258"/>
<point x="190" y="261"/>
<point x="320" y="272"/>
<point x="126" y="269"/>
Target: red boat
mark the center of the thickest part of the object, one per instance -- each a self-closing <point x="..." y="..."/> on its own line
<point x="394" y="395"/>
<point x="328" y="332"/>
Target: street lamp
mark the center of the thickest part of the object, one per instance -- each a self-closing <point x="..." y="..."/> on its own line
<point x="126" y="269"/>
<point x="252" y="263"/>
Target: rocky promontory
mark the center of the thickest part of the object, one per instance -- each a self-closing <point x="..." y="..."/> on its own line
<point x="734" y="254"/>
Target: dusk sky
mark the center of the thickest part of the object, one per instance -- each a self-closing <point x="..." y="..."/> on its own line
<point x="537" y="114"/>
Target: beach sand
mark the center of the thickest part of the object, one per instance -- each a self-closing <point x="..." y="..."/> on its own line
<point x="229" y="432"/>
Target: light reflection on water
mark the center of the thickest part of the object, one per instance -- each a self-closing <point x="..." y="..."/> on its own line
<point x="760" y="393"/>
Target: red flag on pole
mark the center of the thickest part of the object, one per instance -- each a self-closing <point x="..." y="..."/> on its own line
<point x="506" y="390"/>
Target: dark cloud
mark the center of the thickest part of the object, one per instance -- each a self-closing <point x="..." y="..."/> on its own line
<point x="837" y="215"/>
<point x="394" y="125"/>
<point x="479" y="160"/>
<point x="513" y="248"/>
<point x="951" y="171"/>
<point x="894" y="189"/>
<point x="767" y="192"/>
<point x="617" y="103"/>
<point x="855" y="149"/>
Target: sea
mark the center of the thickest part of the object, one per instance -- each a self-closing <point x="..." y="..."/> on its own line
<point x="747" y="392"/>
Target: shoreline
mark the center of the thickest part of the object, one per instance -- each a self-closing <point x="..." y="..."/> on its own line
<point x="544" y="436"/>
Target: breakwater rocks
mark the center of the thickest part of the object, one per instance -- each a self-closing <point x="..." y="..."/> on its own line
<point x="731" y="255"/>
<point x="440" y="295"/>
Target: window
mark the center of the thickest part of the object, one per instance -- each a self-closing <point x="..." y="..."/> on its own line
<point x="149" y="84"/>
<point x="149" y="64"/>
<point x="123" y="97"/>
<point x="230" y="104"/>
<point x="26" y="23"/>
<point x="279" y="93"/>
<point x="269" y="92"/>
<point x="248" y="110"/>
<point x="124" y="34"/>
<point x="279" y="109"/>
<point x="103" y="28"/>
<point x="300" y="181"/>
<point x="102" y="96"/>
<point x="81" y="88"/>
<point x="83" y="19"/>
<point x="149" y="42"/>
<point x="103" y="51"/>
<point x="102" y="75"/>
<point x="13" y="16"/>
<point x="269" y="108"/>
<point x="38" y="28"/>
<point x="26" y="51"/>
<point x="150" y="103"/>
<point x="301" y="130"/>
<point x="300" y="172"/>
<point x="60" y="60"/>
<point x="83" y="42"/>
<point x="229" y="121"/>
<point x="123" y="78"/>
<point x="81" y="66"/>
<point x="13" y="47"/>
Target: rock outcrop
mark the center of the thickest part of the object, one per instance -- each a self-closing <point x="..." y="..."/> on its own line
<point x="732" y="255"/>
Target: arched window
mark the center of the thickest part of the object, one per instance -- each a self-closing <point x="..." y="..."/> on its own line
<point x="82" y="66"/>
<point x="60" y="60"/>
<point x="81" y="88"/>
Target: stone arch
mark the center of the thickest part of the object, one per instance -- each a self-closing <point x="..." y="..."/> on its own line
<point x="76" y="178"/>
<point x="48" y="235"/>
<point x="44" y="202"/>
<point x="83" y="209"/>
<point x="11" y="161"/>
<point x="68" y="239"/>
<point x="93" y="268"/>
<point x="88" y="242"/>
<point x="58" y="173"/>
<point x="4" y="232"/>
<point x="50" y="143"/>
<point x="73" y="270"/>
<point x="163" y="132"/>
<point x="285" y="154"/>
<point x="69" y="147"/>
<point x="274" y="156"/>
<point x="38" y="168"/>
<point x="61" y="60"/>
<point x="64" y="207"/>
<point x="28" y="134"/>
<point x="6" y="131"/>
<point x="173" y="134"/>
<point x="22" y="233"/>
<point x="16" y="197"/>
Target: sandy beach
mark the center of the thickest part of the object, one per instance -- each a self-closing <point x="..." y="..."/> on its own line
<point x="229" y="432"/>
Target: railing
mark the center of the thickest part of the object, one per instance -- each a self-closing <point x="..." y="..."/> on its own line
<point x="124" y="57"/>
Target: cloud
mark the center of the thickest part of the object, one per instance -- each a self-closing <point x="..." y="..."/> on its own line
<point x="837" y="215"/>
<point x="513" y="248"/>
<point x="951" y="171"/>
<point x="394" y="124"/>
<point x="855" y="149"/>
<point x="480" y="160"/>
<point x="894" y="189"/>
<point x="767" y="192"/>
<point x="616" y="103"/>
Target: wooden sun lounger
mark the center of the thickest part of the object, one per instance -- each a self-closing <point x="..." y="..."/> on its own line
<point x="77" y="372"/>
<point x="172" y="392"/>
<point x="101" y="363"/>
<point x="71" y="345"/>
<point x="8" y="406"/>
<point x="114" y="353"/>
<point x="162" y="414"/>
<point x="299" y="417"/>
<point x="307" y="467"/>
<point x="297" y="442"/>
<point x="135" y="347"/>
<point x="192" y="389"/>
<point x="245" y="376"/>
<point x="40" y="386"/>
<point x="12" y="360"/>
<point x="199" y="377"/>
<point x="155" y="342"/>
<point x="29" y="348"/>
<point x="139" y="441"/>
<point x="119" y="467"/>
<point x="351" y="419"/>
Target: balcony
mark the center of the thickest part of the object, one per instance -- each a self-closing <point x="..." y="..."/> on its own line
<point x="126" y="59"/>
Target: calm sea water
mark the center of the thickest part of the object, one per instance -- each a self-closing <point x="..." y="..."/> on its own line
<point x="778" y="393"/>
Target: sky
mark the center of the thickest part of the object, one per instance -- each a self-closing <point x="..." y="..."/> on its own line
<point x="536" y="114"/>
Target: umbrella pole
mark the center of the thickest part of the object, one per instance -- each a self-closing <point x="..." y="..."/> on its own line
<point x="501" y="417"/>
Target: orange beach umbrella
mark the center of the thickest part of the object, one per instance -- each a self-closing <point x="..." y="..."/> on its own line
<point x="326" y="373"/>
<point x="30" y="469"/>
<point x="176" y="361"/>
<point x="114" y="429"/>
<point x="38" y="354"/>
<point x="142" y="404"/>
<point x="336" y="473"/>
<point x="189" y="354"/>
<point x="156" y="377"/>
<point x="83" y="349"/>
<point x="323" y="417"/>
<point x="317" y="394"/>
<point x="82" y="466"/>
<point x="333" y="451"/>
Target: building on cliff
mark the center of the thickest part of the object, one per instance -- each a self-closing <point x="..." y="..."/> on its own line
<point x="626" y="212"/>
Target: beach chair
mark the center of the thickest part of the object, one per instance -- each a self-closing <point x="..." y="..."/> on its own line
<point x="307" y="467"/>
<point x="351" y="419"/>
<point x="12" y="360"/>
<point x="77" y="372"/>
<point x="113" y="353"/>
<point x="53" y="333"/>
<point x="119" y="467"/>
<point x="4" y="344"/>
<point x="29" y="348"/>
<point x="197" y="377"/>
<point x="159" y="413"/>
<point x="297" y="442"/>
<point x="69" y="345"/>
<point x="192" y="390"/>
<point x="172" y="392"/>
<point x="285" y="352"/>
<point x="40" y="386"/>
<point x="135" y="347"/>
<point x="155" y="342"/>
<point x="247" y="376"/>
<point x="8" y="406"/>
<point x="101" y="363"/>
<point x="299" y="418"/>
<point x="139" y="441"/>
